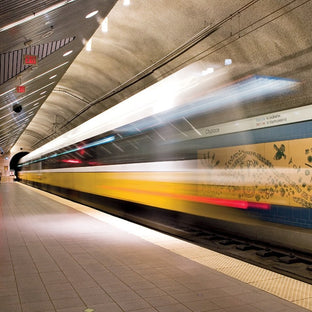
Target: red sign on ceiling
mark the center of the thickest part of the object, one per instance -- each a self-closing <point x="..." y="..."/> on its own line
<point x="20" y="89"/>
<point x="30" y="59"/>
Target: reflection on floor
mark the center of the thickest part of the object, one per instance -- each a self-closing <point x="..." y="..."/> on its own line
<point x="56" y="255"/>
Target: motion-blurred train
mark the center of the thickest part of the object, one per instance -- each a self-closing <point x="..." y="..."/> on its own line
<point x="160" y="154"/>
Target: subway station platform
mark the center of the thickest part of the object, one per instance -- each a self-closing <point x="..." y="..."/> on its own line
<point x="56" y="255"/>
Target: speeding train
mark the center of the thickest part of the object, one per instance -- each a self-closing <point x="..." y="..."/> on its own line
<point x="160" y="155"/>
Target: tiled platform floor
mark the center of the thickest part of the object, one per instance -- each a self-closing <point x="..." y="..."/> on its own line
<point x="57" y="258"/>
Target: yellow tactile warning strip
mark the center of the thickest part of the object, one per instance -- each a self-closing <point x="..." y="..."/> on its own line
<point x="284" y="287"/>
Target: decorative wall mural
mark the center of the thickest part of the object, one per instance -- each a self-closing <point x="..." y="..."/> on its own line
<point x="277" y="173"/>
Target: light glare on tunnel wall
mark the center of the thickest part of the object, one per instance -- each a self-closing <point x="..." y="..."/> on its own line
<point x="104" y="25"/>
<point x="207" y="71"/>
<point x="89" y="45"/>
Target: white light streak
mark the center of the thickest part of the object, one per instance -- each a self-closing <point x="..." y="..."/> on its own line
<point x="26" y="96"/>
<point x="143" y="104"/>
<point x="207" y="71"/>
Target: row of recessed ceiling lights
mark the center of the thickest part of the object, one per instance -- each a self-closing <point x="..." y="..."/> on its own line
<point x="126" y="3"/>
<point x="70" y="51"/>
<point x="88" y="47"/>
<point x="54" y="76"/>
<point x="104" y="25"/>
<point x="93" y="13"/>
<point x="104" y="28"/>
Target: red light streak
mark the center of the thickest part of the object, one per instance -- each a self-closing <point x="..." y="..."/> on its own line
<point x="81" y="150"/>
<point x="93" y="163"/>
<point x="72" y="161"/>
<point x="240" y="204"/>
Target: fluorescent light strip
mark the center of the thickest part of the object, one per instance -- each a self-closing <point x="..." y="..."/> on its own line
<point x="9" y="114"/>
<point x="95" y="143"/>
<point x="26" y="96"/>
<point x="10" y="121"/>
<point x="30" y="111"/>
<point x="30" y="103"/>
<point x="28" y="81"/>
<point x="33" y="16"/>
<point x="18" y="121"/>
<point x="24" y="120"/>
<point x="4" y="137"/>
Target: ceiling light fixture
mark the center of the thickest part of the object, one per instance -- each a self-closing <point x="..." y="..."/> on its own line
<point x="227" y="62"/>
<point x="25" y="106"/>
<point x="126" y="2"/>
<point x="68" y="52"/>
<point x="27" y="96"/>
<point x="37" y="77"/>
<point x="44" y="92"/>
<point x="92" y="14"/>
<point x="52" y="76"/>
<point x="104" y="25"/>
<point x="33" y="16"/>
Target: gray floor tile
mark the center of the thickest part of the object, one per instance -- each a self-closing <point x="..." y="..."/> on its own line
<point x="40" y="306"/>
<point x="65" y="261"/>
<point x="71" y="302"/>
<point x="174" y="308"/>
<point x="106" y="307"/>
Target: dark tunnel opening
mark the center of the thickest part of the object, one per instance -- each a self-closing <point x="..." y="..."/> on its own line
<point x="14" y="163"/>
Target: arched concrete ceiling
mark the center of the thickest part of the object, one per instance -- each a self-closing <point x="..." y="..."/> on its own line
<point x="149" y="40"/>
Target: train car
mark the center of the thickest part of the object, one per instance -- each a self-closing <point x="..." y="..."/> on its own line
<point x="162" y="154"/>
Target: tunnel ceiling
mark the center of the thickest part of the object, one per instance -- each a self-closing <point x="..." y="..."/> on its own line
<point x="143" y="42"/>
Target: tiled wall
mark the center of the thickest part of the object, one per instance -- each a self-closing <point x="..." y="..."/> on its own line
<point x="5" y="169"/>
<point x="295" y="216"/>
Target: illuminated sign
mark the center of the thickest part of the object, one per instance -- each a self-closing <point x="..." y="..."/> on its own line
<point x="30" y="59"/>
<point x="20" y="89"/>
